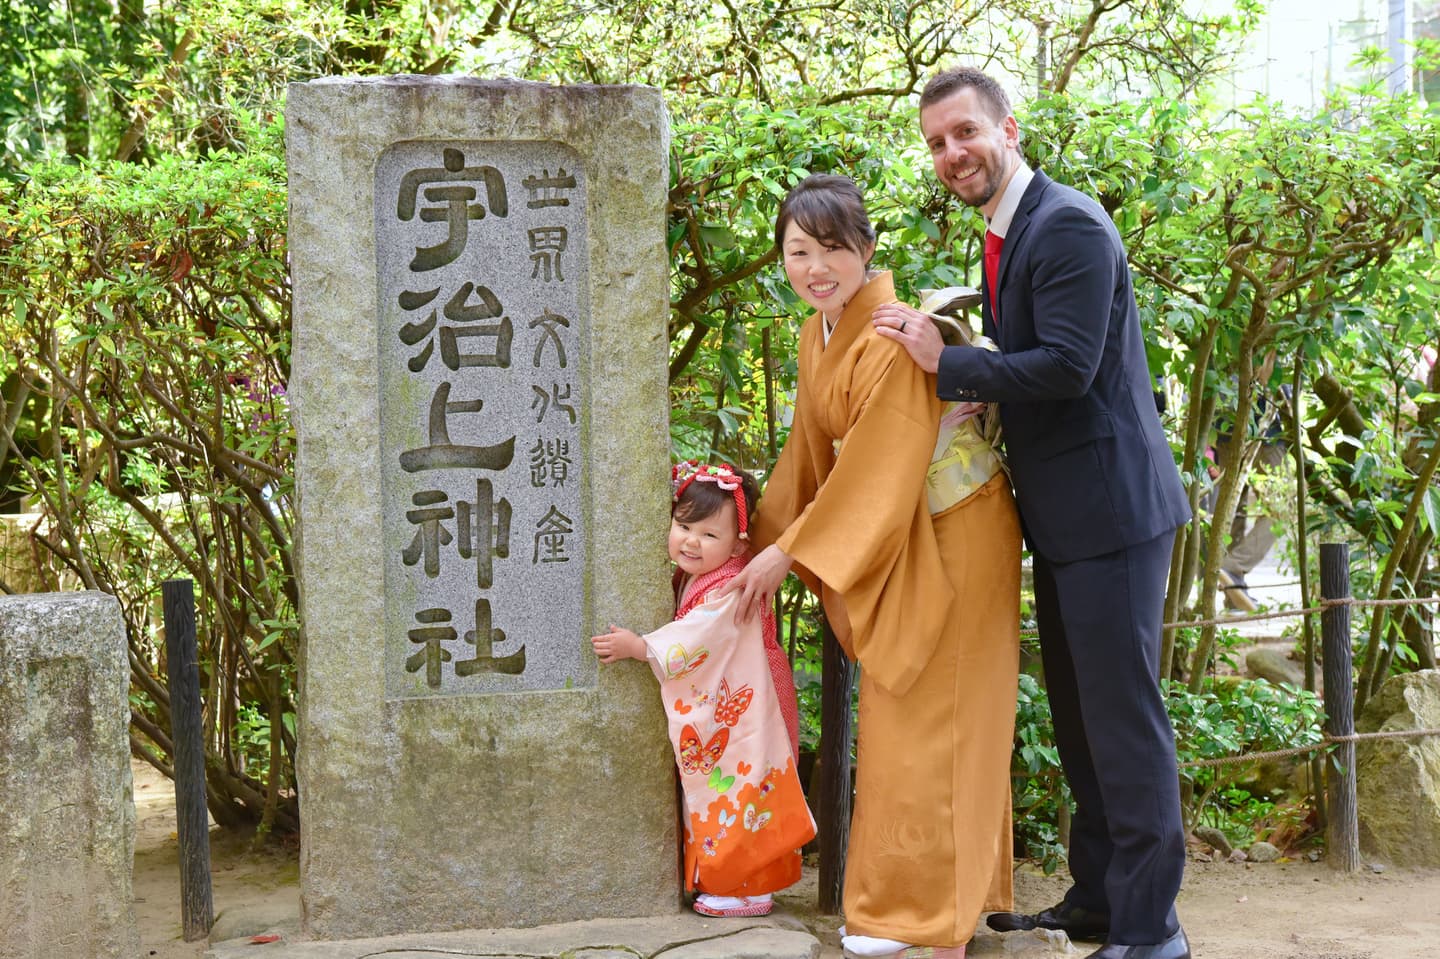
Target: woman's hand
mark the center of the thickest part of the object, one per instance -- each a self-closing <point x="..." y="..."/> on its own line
<point x="758" y="582"/>
<point x="912" y="330"/>
<point x="618" y="644"/>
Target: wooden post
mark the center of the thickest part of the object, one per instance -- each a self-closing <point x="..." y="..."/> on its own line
<point x="197" y="910"/>
<point x="837" y="684"/>
<point x="1342" y="833"/>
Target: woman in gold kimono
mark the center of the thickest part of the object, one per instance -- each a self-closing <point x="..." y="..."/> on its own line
<point x="913" y="546"/>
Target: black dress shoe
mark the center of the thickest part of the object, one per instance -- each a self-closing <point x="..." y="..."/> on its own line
<point x="1174" y="947"/>
<point x="1075" y="921"/>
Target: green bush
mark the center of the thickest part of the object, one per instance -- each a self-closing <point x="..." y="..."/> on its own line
<point x="146" y="322"/>
<point x="1226" y="719"/>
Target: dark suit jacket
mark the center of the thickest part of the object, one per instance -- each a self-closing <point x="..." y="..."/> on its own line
<point x="1092" y="470"/>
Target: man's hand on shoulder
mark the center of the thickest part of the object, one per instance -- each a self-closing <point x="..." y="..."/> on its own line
<point x="912" y="330"/>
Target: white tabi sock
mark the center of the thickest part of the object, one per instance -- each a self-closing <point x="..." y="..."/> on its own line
<point x="730" y="902"/>
<point x="872" y="946"/>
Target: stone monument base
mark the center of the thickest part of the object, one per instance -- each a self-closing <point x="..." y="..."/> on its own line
<point x="681" y="936"/>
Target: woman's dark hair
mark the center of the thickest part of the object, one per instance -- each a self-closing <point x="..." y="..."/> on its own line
<point x="701" y="500"/>
<point x="829" y="208"/>
<point x="947" y="83"/>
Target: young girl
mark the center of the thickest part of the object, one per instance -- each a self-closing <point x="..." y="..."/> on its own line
<point x="728" y="694"/>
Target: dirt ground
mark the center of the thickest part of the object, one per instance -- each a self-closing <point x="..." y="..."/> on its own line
<point x="1285" y="910"/>
<point x="262" y="887"/>
<point x="1295" y="910"/>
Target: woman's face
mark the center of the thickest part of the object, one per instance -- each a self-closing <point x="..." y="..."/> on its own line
<point x="824" y="275"/>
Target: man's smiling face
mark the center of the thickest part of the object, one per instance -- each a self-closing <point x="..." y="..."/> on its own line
<point x="973" y="151"/>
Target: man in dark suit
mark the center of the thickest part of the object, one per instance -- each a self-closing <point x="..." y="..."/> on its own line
<point x="1099" y="498"/>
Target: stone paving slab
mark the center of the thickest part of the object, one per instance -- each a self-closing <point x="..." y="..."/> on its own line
<point x="1034" y="944"/>
<point x="682" y="936"/>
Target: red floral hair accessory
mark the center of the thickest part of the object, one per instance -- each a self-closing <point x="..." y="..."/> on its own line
<point x="722" y="475"/>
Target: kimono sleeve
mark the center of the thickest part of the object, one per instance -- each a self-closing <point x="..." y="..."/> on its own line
<point x="867" y="532"/>
<point x="789" y="489"/>
<point x="860" y="517"/>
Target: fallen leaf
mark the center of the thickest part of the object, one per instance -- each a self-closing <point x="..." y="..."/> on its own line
<point x="267" y="937"/>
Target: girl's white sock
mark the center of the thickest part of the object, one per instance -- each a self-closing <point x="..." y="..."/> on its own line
<point x="730" y="902"/>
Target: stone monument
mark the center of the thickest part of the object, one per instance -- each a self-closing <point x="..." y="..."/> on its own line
<point x="67" y="816"/>
<point x="479" y="385"/>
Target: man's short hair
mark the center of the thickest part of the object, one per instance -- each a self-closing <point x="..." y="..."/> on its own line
<point x="946" y="83"/>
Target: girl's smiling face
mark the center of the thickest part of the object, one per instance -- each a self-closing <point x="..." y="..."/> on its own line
<point x="826" y="275"/>
<point x="699" y="546"/>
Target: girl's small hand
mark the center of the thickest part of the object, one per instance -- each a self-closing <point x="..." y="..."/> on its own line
<point x="618" y="644"/>
<point x="912" y="330"/>
<point x="758" y="582"/>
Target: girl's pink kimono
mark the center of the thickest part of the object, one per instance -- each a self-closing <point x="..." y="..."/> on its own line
<point x="730" y="702"/>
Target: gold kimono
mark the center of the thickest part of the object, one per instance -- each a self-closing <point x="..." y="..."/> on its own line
<point x="929" y="605"/>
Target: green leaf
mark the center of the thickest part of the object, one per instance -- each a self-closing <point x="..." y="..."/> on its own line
<point x="718" y="236"/>
<point x="1430" y="508"/>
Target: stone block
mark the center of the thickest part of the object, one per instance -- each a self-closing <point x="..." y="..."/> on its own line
<point x="479" y="390"/>
<point x="17" y="554"/>
<point x="1269" y="663"/>
<point x="67" y="816"/>
<point x="1398" y="780"/>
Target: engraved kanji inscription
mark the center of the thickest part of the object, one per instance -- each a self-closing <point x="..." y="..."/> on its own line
<point x="550" y="535"/>
<point x="483" y="297"/>
<point x="431" y="654"/>
<point x="549" y="463"/>
<point x="546" y="190"/>
<point x="553" y="401"/>
<point x="546" y="245"/>
<point x="443" y="454"/>
<point x="430" y="534"/>
<point x="548" y="324"/>
<point x="484" y="527"/>
<point x="454" y="204"/>
<point x="484" y="637"/>
<point x="465" y="312"/>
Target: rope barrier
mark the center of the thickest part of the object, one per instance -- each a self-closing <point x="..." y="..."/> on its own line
<point x="1283" y="613"/>
<point x="1326" y="742"/>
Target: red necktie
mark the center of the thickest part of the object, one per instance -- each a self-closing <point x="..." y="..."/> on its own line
<point x="993" y="243"/>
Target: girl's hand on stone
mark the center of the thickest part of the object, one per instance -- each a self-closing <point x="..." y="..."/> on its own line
<point x="618" y="644"/>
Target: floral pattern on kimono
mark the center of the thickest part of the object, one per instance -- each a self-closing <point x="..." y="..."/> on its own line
<point x="745" y="811"/>
<point x="692" y="594"/>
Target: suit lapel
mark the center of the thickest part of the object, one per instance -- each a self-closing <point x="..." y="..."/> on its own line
<point x="1019" y="223"/>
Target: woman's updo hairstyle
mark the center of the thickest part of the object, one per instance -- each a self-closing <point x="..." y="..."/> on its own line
<point x="829" y="208"/>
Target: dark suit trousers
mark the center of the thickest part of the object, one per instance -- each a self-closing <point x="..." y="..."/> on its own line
<point x="1099" y="622"/>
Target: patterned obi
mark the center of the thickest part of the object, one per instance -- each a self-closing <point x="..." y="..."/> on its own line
<point x="966" y="454"/>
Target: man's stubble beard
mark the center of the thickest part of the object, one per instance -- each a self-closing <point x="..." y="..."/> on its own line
<point x="992" y="184"/>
